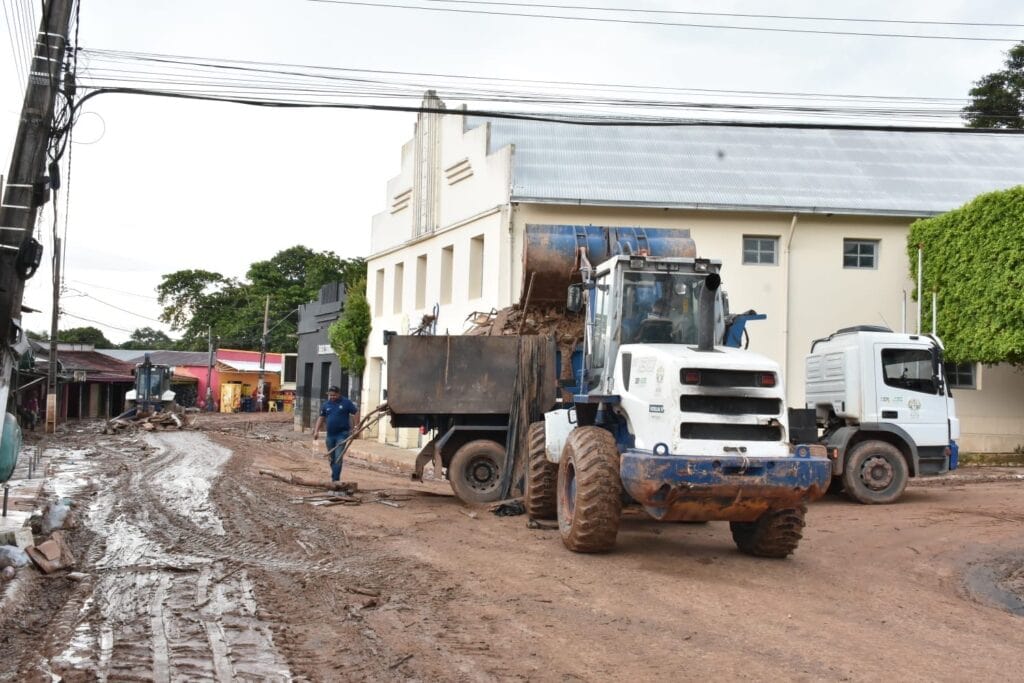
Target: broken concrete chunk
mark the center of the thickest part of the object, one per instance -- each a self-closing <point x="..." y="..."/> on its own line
<point x="20" y="538"/>
<point x="53" y="554"/>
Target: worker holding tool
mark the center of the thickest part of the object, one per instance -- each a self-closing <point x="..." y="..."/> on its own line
<point x="335" y="413"/>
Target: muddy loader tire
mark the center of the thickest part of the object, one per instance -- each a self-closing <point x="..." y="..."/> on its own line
<point x="540" y="499"/>
<point x="776" y="533"/>
<point x="475" y="471"/>
<point x="875" y="473"/>
<point x="589" y="491"/>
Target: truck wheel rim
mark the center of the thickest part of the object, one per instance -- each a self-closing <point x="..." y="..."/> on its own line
<point x="569" y="492"/>
<point x="877" y="473"/>
<point x="482" y="473"/>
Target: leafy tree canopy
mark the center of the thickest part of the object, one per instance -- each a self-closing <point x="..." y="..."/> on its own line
<point x="85" y="335"/>
<point x="997" y="100"/>
<point x="195" y="300"/>
<point x="974" y="259"/>
<point x="349" y="333"/>
<point x="148" y="338"/>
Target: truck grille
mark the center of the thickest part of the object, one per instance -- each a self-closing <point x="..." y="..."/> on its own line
<point x="730" y="405"/>
<point x="722" y="378"/>
<point x="714" y="431"/>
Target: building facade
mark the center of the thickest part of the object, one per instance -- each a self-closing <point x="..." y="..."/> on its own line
<point x="317" y="366"/>
<point x="811" y="226"/>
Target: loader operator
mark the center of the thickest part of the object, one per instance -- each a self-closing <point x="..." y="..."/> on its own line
<point x="336" y="412"/>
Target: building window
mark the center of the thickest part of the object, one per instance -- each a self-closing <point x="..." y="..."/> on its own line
<point x="378" y="294"/>
<point x="421" y="281"/>
<point x="447" y="255"/>
<point x="760" y="250"/>
<point x="399" y="287"/>
<point x="860" y="253"/>
<point x="476" y="267"/>
<point x="290" y="368"/>
<point x="961" y="375"/>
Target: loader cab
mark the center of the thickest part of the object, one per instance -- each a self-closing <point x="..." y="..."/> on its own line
<point x="640" y="300"/>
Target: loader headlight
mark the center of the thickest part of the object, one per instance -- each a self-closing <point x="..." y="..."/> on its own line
<point x="766" y="379"/>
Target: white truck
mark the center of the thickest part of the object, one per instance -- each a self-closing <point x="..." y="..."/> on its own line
<point x="885" y="409"/>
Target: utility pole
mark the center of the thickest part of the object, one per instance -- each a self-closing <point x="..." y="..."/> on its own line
<point x="209" y="370"/>
<point x="263" y="352"/>
<point x="51" y="375"/>
<point x="26" y="190"/>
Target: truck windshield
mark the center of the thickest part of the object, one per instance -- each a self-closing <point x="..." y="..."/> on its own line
<point x="659" y="308"/>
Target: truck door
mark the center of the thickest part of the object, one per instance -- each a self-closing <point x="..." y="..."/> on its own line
<point x="906" y="394"/>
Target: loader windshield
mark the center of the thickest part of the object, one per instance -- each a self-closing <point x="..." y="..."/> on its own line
<point x="659" y="308"/>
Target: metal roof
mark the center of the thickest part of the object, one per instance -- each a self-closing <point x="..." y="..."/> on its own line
<point x="820" y="170"/>
<point x="247" y="365"/>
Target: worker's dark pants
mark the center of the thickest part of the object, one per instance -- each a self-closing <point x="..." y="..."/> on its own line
<point x="335" y="453"/>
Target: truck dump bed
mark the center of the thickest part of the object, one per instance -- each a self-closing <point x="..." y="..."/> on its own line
<point x="466" y="375"/>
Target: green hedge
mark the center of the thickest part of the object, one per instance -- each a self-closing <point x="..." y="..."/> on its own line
<point x="974" y="259"/>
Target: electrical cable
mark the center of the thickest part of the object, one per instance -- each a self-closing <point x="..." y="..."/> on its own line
<point x="643" y="22"/>
<point x="787" y="17"/>
<point x="257" y="82"/>
<point x="119" y="291"/>
<point x="123" y="310"/>
<point x="96" y="322"/>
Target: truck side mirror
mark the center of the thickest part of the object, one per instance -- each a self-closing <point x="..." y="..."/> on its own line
<point x="937" y="371"/>
<point x="574" y="299"/>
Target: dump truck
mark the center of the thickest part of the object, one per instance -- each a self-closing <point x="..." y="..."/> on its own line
<point x="884" y="409"/>
<point x="659" y="412"/>
<point x="461" y="389"/>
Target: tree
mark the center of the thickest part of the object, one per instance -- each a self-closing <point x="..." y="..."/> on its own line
<point x="195" y="300"/>
<point x="148" y="338"/>
<point x="997" y="100"/>
<point x="349" y="333"/>
<point x="85" y="335"/>
<point x="974" y="259"/>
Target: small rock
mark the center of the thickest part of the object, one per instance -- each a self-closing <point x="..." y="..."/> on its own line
<point x="77" y="576"/>
<point x="8" y="573"/>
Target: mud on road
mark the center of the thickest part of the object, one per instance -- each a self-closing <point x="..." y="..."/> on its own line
<point x="201" y="569"/>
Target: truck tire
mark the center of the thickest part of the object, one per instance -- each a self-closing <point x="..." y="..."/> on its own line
<point x="475" y="471"/>
<point x="589" y="491"/>
<point x="875" y="473"/>
<point x="776" y="533"/>
<point x="540" y="498"/>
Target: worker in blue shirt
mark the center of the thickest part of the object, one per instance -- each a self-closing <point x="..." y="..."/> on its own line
<point x="335" y="412"/>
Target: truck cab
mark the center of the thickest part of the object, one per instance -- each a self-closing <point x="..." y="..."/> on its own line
<point x="884" y="407"/>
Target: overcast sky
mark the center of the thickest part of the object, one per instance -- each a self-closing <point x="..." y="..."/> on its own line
<point x="160" y="185"/>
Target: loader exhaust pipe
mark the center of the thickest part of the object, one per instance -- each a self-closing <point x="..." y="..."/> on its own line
<point x="706" y="313"/>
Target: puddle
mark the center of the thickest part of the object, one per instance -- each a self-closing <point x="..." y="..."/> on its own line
<point x="999" y="582"/>
<point x="156" y="611"/>
<point x="189" y="464"/>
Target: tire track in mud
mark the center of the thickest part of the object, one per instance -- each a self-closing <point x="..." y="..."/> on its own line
<point x="328" y="632"/>
<point x="163" y="603"/>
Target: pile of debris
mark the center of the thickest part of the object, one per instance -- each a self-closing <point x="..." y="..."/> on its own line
<point x="546" y="320"/>
<point x="150" y="422"/>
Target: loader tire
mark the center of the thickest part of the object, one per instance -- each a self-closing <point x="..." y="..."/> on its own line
<point x="540" y="499"/>
<point x="875" y="473"/>
<point x="475" y="471"/>
<point x="589" y="491"/>
<point x="776" y="533"/>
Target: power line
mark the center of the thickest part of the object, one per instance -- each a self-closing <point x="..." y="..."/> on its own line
<point x="787" y="17"/>
<point x="121" y="291"/>
<point x="96" y="322"/>
<point x="646" y="22"/>
<point x="522" y="116"/>
<point x="123" y="310"/>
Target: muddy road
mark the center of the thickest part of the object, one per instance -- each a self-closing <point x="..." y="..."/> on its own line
<point x="199" y="568"/>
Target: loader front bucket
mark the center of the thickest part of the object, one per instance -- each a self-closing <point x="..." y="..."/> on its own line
<point x="551" y="253"/>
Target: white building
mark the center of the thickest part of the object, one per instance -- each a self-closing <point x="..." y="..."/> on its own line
<point x="810" y="223"/>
